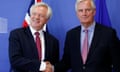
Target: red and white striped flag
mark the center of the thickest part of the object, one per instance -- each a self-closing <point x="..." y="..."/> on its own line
<point x="26" y="21"/>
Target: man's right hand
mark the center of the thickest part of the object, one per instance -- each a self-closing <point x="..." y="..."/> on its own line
<point x="49" y="67"/>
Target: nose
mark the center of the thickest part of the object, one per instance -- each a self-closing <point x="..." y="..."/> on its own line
<point x="36" y="16"/>
<point x="84" y="12"/>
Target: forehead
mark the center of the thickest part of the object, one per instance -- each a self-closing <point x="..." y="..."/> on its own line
<point x="40" y="9"/>
<point x="84" y="4"/>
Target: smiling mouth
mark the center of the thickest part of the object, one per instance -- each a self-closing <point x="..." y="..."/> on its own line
<point x="36" y="21"/>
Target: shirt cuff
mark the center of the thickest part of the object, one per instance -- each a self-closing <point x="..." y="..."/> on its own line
<point x="42" y="66"/>
<point x="53" y="69"/>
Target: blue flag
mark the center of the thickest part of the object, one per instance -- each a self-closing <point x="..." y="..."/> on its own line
<point x="102" y="15"/>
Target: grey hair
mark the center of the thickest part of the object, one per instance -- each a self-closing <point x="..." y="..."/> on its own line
<point x="78" y="1"/>
<point x="49" y="13"/>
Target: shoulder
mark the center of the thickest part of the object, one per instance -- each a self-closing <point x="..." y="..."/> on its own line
<point x="50" y="36"/>
<point x="106" y="32"/>
<point x="74" y="30"/>
<point x="104" y="28"/>
<point x="17" y="30"/>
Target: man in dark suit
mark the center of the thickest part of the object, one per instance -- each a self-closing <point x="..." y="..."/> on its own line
<point x="90" y="47"/>
<point x="23" y="52"/>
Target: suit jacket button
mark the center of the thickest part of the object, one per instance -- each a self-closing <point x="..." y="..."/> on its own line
<point x="83" y="67"/>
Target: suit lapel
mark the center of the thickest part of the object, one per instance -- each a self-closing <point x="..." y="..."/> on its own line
<point x="80" y="43"/>
<point x="95" y="40"/>
<point x="77" y="45"/>
<point x="47" y="47"/>
<point x="31" y="41"/>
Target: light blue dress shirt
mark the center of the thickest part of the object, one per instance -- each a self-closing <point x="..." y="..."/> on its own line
<point x="90" y="34"/>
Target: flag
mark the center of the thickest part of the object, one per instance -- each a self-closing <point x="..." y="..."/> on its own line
<point x="27" y="16"/>
<point x="102" y="15"/>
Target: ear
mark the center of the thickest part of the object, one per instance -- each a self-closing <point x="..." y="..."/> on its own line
<point x="94" y="12"/>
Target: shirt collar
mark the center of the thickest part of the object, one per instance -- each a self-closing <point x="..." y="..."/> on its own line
<point x="90" y="28"/>
<point x="33" y="31"/>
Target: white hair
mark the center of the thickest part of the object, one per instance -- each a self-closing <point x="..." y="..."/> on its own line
<point x="78" y="1"/>
<point x="49" y="13"/>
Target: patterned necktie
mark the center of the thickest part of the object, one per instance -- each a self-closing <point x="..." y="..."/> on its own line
<point x="85" y="47"/>
<point x="38" y="44"/>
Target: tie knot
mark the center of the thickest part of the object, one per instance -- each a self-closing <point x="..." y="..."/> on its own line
<point x="37" y="33"/>
<point x="85" y="30"/>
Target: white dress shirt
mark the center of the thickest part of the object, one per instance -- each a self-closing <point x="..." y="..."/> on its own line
<point x="43" y="64"/>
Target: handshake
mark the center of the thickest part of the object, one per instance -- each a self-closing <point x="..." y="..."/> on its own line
<point x="49" y="67"/>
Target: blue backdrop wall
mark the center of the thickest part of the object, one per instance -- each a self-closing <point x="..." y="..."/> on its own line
<point x="64" y="18"/>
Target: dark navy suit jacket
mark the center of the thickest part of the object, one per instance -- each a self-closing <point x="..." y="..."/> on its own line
<point x="23" y="52"/>
<point x="103" y="53"/>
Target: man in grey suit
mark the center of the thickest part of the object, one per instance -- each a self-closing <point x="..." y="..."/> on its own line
<point x="23" y="52"/>
<point x="90" y="47"/>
